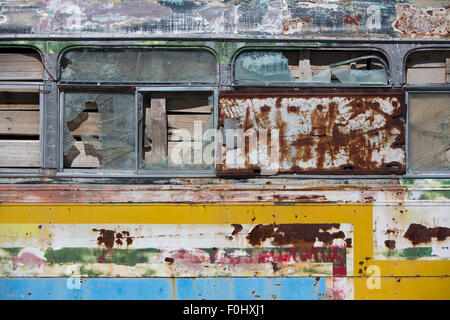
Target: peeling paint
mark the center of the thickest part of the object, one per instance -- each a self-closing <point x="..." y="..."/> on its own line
<point x="416" y="23"/>
<point x="341" y="133"/>
<point x="353" y="19"/>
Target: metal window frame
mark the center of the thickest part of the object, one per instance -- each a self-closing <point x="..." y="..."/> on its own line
<point x="420" y="173"/>
<point x="136" y="172"/>
<point x="396" y="51"/>
<point x="39" y="86"/>
<point x="418" y="86"/>
<point x="101" y="46"/>
<point x="263" y="84"/>
<point x="61" y="171"/>
<point x="178" y="172"/>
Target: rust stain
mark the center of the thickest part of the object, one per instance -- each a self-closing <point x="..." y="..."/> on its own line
<point x="418" y="233"/>
<point x="275" y="267"/>
<point x="110" y="237"/>
<point x="349" y="20"/>
<point x="412" y="22"/>
<point x="300" y="235"/>
<point x="348" y="242"/>
<point x="106" y="238"/>
<point x="237" y="228"/>
<point x="343" y="133"/>
<point x="169" y="260"/>
<point x="311" y="198"/>
<point x="390" y="244"/>
<point x="292" y="25"/>
<point x="220" y="190"/>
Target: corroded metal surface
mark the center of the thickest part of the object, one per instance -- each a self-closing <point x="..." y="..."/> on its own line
<point x="425" y="22"/>
<point x="329" y="18"/>
<point x="221" y="191"/>
<point x="342" y="132"/>
<point x="298" y="241"/>
<point x="176" y="250"/>
<point x="412" y="232"/>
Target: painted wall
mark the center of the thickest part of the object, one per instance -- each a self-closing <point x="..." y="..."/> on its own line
<point x="402" y="19"/>
<point x="285" y="239"/>
<point x="190" y="238"/>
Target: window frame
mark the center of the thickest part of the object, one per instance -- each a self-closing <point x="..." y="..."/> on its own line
<point x="138" y="88"/>
<point x="131" y="48"/>
<point x="325" y="86"/>
<point x="261" y="84"/>
<point x="39" y="86"/>
<point x="420" y="173"/>
<point x="176" y="172"/>
<point x="421" y="88"/>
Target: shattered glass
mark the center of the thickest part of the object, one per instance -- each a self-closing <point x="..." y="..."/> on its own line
<point x="429" y="131"/>
<point x="273" y="66"/>
<point x="323" y="77"/>
<point x="361" y="76"/>
<point x="108" y="134"/>
<point x="133" y="65"/>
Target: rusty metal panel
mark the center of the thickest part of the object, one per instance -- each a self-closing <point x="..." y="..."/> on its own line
<point x="319" y="132"/>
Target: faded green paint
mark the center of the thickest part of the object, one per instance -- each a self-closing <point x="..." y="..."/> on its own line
<point x="91" y="255"/>
<point x="149" y="273"/>
<point x="435" y="195"/>
<point x="410" y="253"/>
<point x="58" y="47"/>
<point x="12" y="251"/>
<point x="426" y="189"/>
<point x="38" y="45"/>
<point x="88" y="272"/>
<point x="313" y="271"/>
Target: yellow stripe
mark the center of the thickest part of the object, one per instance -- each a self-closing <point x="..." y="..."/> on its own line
<point x="360" y="215"/>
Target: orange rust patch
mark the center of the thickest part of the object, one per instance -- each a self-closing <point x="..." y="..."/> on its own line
<point x="357" y="136"/>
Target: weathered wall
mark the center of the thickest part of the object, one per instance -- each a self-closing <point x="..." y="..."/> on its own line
<point x="402" y="19"/>
<point x="286" y="239"/>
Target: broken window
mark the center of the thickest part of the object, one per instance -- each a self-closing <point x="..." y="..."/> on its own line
<point x="19" y="108"/>
<point x="138" y="66"/>
<point x="176" y="130"/>
<point x="311" y="66"/>
<point x="144" y="129"/>
<point x="99" y="130"/>
<point x="429" y="131"/>
<point x="428" y="66"/>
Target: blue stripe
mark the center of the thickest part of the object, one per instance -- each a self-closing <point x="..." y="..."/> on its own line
<point x="162" y="288"/>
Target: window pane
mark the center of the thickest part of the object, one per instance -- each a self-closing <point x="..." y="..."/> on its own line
<point x="99" y="130"/>
<point x="19" y="128"/>
<point x="176" y="130"/>
<point x="20" y="64"/>
<point x="429" y="66"/>
<point x="309" y="66"/>
<point x="429" y="131"/>
<point x="152" y="65"/>
<point x="263" y="66"/>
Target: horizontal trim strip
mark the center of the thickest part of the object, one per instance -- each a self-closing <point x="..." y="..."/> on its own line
<point x="162" y="288"/>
